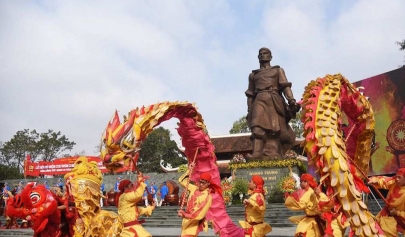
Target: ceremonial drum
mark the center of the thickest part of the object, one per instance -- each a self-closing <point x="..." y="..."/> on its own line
<point x="172" y="198"/>
<point x="111" y="197"/>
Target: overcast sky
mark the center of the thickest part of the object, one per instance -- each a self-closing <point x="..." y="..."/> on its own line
<point x="67" y="65"/>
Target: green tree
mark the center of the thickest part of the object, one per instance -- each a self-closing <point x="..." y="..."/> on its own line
<point x="14" y="152"/>
<point x="401" y="45"/>
<point x="44" y="146"/>
<point x="296" y="125"/>
<point x="240" y="126"/>
<point x="51" y="144"/>
<point x="8" y="172"/>
<point x="158" y="146"/>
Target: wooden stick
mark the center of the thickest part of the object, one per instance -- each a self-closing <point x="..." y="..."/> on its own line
<point x="188" y="181"/>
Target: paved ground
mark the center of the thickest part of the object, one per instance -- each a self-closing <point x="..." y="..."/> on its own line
<point x="277" y="231"/>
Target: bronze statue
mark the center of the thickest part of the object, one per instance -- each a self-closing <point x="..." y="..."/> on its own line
<point x="268" y="113"/>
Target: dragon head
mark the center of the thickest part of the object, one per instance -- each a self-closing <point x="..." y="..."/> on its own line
<point x="120" y="142"/>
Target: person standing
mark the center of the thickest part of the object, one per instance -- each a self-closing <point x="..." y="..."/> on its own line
<point x="129" y="212"/>
<point x="268" y="114"/>
<point x="102" y="196"/>
<point x="20" y="187"/>
<point x="392" y="217"/>
<point x="164" y="190"/>
<point x="60" y="184"/>
<point x="198" y="203"/>
<point x="153" y="192"/>
<point x="255" y="208"/>
<point x="116" y="186"/>
<point x="46" y="184"/>
<point x="6" y="195"/>
<point x="305" y="199"/>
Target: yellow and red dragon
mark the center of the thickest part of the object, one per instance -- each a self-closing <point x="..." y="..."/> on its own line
<point x="121" y="142"/>
<point x="340" y="154"/>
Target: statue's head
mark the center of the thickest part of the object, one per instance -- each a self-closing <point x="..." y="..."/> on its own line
<point x="264" y="55"/>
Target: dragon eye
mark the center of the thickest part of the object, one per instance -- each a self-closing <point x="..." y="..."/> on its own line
<point x="35" y="197"/>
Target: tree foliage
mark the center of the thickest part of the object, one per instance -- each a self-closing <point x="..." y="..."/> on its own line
<point x="296" y="125"/>
<point x="51" y="144"/>
<point x="45" y="146"/>
<point x="8" y="172"/>
<point x="240" y="126"/>
<point x="158" y="146"/>
<point x="401" y="45"/>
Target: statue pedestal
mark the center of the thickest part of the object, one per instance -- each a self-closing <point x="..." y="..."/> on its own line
<point x="272" y="178"/>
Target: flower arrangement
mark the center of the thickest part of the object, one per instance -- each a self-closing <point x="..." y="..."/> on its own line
<point x="290" y="154"/>
<point x="270" y="164"/>
<point x="287" y="184"/>
<point x="237" y="159"/>
<point x="182" y="168"/>
<point x="227" y="191"/>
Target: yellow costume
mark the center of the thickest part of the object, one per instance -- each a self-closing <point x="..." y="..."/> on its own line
<point x="305" y="200"/>
<point x="197" y="207"/>
<point x="334" y="225"/>
<point x="254" y="215"/>
<point x="129" y="212"/>
<point x="391" y="225"/>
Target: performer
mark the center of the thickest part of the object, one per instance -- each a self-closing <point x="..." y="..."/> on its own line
<point x="129" y="212"/>
<point x="255" y="208"/>
<point x="198" y="203"/>
<point x="306" y="200"/>
<point x="334" y="223"/>
<point x="392" y="217"/>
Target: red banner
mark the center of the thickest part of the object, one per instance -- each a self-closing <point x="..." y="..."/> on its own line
<point x="56" y="167"/>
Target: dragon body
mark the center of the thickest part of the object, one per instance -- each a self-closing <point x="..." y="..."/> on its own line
<point x="341" y="155"/>
<point x="121" y="142"/>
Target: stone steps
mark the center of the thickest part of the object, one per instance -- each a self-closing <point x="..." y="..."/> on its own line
<point x="165" y="223"/>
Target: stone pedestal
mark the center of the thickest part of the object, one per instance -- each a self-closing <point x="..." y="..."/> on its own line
<point x="271" y="176"/>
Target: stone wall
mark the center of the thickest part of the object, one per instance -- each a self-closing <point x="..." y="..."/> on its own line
<point x="109" y="180"/>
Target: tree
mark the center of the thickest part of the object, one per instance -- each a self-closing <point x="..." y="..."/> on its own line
<point x="158" y="146"/>
<point x="401" y="45"/>
<point x="240" y="126"/>
<point x="52" y="144"/>
<point x="44" y="146"/>
<point x="8" y="172"/>
<point x="13" y="152"/>
<point x="296" y="125"/>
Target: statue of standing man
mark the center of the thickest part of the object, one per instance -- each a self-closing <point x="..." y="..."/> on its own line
<point x="268" y="112"/>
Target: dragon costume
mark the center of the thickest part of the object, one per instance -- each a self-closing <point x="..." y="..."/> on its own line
<point x="341" y="155"/>
<point x="121" y="143"/>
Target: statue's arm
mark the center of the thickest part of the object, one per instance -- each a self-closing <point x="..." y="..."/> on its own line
<point x="250" y="92"/>
<point x="285" y="86"/>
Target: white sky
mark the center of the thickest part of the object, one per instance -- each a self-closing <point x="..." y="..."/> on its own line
<point x="67" y="65"/>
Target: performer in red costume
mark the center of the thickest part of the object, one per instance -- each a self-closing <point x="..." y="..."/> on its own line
<point x="392" y="217"/>
<point x="255" y="207"/>
<point x="198" y="203"/>
<point x="305" y="199"/>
